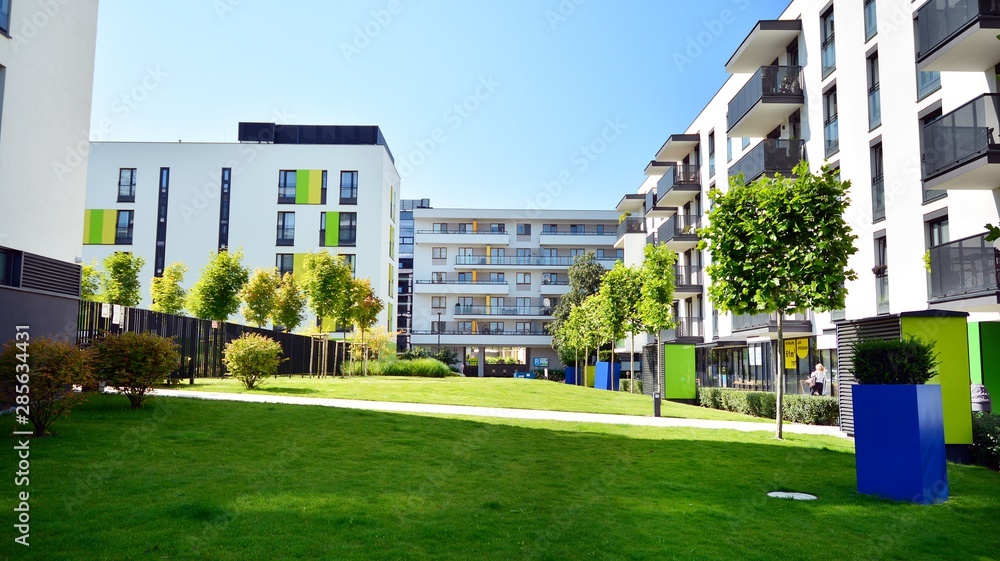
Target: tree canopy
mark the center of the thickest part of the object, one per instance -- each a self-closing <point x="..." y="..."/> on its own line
<point x="216" y="295"/>
<point x="657" y="282"/>
<point x="327" y="284"/>
<point x="289" y="303"/>
<point x="166" y="291"/>
<point x="584" y="279"/>
<point x="120" y="281"/>
<point x="258" y="296"/>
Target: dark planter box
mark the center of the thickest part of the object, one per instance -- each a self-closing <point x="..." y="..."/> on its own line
<point x="899" y="442"/>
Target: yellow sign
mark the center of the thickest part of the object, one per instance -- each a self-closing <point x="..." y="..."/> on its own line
<point x="802" y="347"/>
<point x="790" y="361"/>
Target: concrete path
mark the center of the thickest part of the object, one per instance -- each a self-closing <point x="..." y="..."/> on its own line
<point x="503" y="413"/>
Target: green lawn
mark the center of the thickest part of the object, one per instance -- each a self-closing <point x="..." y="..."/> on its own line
<point x="477" y="392"/>
<point x="191" y="479"/>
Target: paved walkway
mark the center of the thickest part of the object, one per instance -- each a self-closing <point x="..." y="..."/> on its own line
<point x="503" y="413"/>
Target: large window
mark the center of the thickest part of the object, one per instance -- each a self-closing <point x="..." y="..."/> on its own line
<point x="871" y="23"/>
<point x="286" y="186"/>
<point x="831" y="130"/>
<point x="348" y="228"/>
<point x="927" y="82"/>
<point x="874" y="100"/>
<point x="5" y="16"/>
<point x="348" y="187"/>
<point x="438" y="302"/>
<point x="711" y="154"/>
<point x="440" y="228"/>
<point x="126" y="183"/>
<point x="351" y="261"/>
<point x="937" y="231"/>
<point x="498" y="228"/>
<point x="286" y="229"/>
<point x="881" y="271"/>
<point x="284" y="262"/>
<point x="524" y="229"/>
<point x="123" y="229"/>
<point x="523" y="278"/>
<point x="439" y="253"/>
<point x="829" y="52"/>
<point x="878" y="183"/>
<point x="930" y="194"/>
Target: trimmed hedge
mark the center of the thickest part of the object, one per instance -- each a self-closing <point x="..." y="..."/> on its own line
<point x="625" y="385"/>
<point x="986" y="440"/>
<point x="421" y="367"/>
<point x="807" y="409"/>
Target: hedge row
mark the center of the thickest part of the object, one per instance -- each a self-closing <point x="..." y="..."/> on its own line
<point x="421" y="367"/>
<point x="986" y="440"/>
<point x="807" y="409"/>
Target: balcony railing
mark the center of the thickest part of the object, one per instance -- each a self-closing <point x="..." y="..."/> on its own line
<point x="964" y="268"/>
<point x="286" y="194"/>
<point x="503" y="310"/>
<point x="940" y="20"/>
<point x="513" y="260"/>
<point x="755" y="321"/>
<point x="480" y="331"/>
<point x="769" y="82"/>
<point x="682" y="175"/>
<point x="687" y="275"/>
<point x="769" y="157"/>
<point x="457" y="281"/>
<point x="686" y="327"/>
<point x="126" y="192"/>
<point x="878" y="197"/>
<point x="831" y="135"/>
<point x="962" y="135"/>
<point x="464" y="232"/>
<point x="555" y="282"/>
<point x="680" y="225"/>
<point x="632" y="226"/>
<point x="828" y="55"/>
<point x="577" y="233"/>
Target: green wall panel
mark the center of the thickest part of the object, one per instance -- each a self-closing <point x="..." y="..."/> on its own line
<point x="989" y="346"/>
<point x="332" y="237"/>
<point x="308" y="187"/>
<point x="975" y="355"/>
<point x="951" y="338"/>
<point x="99" y="226"/>
<point x="679" y="372"/>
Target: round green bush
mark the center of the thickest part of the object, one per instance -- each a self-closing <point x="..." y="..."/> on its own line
<point x="135" y="363"/>
<point x="252" y="358"/>
<point x="893" y="361"/>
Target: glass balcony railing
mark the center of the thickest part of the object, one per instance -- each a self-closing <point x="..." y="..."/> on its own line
<point x="743" y="322"/>
<point x="960" y="136"/>
<point x="828" y="55"/>
<point x="503" y="310"/>
<point x="687" y="275"/>
<point x="773" y="82"/>
<point x="769" y="157"/>
<point x="463" y="281"/>
<point x="938" y="21"/>
<point x="681" y="175"/>
<point x="514" y="260"/>
<point x="680" y="225"/>
<point x="964" y="268"/>
<point x="686" y="327"/>
<point x="632" y="226"/>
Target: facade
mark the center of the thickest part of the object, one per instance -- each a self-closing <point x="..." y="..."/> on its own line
<point x="46" y="83"/>
<point x="491" y="278"/>
<point x="404" y="295"/>
<point x="281" y="192"/>
<point x="901" y="97"/>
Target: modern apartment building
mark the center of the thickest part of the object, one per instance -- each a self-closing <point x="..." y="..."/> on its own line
<point x="46" y="83"/>
<point x="901" y="97"/>
<point x="491" y="278"/>
<point x="279" y="193"/>
<point x="404" y="295"/>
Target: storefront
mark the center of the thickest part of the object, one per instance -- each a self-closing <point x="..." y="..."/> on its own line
<point x="750" y="365"/>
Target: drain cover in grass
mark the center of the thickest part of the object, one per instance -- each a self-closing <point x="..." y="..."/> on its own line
<point x="792" y="496"/>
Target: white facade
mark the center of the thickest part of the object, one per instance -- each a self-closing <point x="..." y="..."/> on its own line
<point x="845" y="135"/>
<point x="46" y="84"/>
<point x="492" y="277"/>
<point x="196" y="198"/>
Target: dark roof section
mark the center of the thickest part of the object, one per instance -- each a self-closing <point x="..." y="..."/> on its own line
<point x="271" y="133"/>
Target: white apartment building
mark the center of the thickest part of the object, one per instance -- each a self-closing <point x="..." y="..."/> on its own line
<point x="279" y="193"/>
<point x="404" y="293"/>
<point x="901" y="97"/>
<point x="46" y="85"/>
<point x="491" y="278"/>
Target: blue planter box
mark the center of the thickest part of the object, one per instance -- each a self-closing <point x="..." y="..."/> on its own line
<point x="570" y="375"/>
<point x="604" y="378"/>
<point x="899" y="442"/>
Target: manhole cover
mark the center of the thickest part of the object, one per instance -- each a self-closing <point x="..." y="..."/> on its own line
<point x="792" y="496"/>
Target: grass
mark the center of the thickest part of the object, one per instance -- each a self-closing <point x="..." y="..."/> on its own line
<point x="476" y="392"/>
<point x="191" y="479"/>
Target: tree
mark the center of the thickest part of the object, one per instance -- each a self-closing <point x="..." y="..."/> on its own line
<point x="656" y="301"/>
<point x="258" y="296"/>
<point x="48" y="369"/>
<point x="584" y="279"/>
<point x="780" y="246"/>
<point x="582" y="330"/>
<point x="216" y="295"/>
<point x="327" y="284"/>
<point x="135" y="363"/>
<point x="166" y="291"/>
<point x="621" y="289"/>
<point x="120" y="282"/>
<point x="365" y="309"/>
<point x="289" y="303"/>
<point x="91" y="279"/>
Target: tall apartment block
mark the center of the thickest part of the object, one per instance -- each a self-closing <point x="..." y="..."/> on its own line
<point x="489" y="279"/>
<point x="902" y="99"/>
<point x="46" y="84"/>
<point x="279" y="193"/>
<point x="404" y="295"/>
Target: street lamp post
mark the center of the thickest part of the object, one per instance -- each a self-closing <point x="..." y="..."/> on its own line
<point x="439" y="333"/>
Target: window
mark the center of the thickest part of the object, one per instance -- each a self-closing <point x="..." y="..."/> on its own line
<point x="123" y="227"/>
<point x="523" y="278"/>
<point x="522" y="327"/>
<point x="522" y="303"/>
<point x="438" y="302"/>
<point x="930" y="194"/>
<point x="550" y="278"/>
<point x="881" y="271"/>
<point x="523" y="256"/>
<point x="465" y="327"/>
<point x="227" y="183"/>
<point x="462" y="277"/>
<point x="729" y="149"/>
<point x="465" y="252"/>
<point x="464" y="302"/>
<point x="9" y="267"/>
<point x="351" y="261"/>
<point x="600" y="253"/>
<point x="711" y="153"/>
<point x="927" y="82"/>
<point x="439" y="278"/>
<point x="497" y="278"/>
<point x="160" y="255"/>
<point x="442" y="228"/>
<point x="871" y="23"/>
<point x="549" y="228"/>
<point x="524" y="229"/>
<point x="495" y="327"/>
<point x="874" y="100"/>
<point x="439" y="326"/>
<point x="126" y="183"/>
<point x="831" y="130"/>
<point x="286" y="186"/>
<point x="439" y="253"/>
<point x="577" y="229"/>
<point x="829" y="54"/>
<point x="744" y="142"/>
<point x="5" y="16"/>
<point x="937" y="232"/>
<point x="576" y="252"/>
<point x="348" y="187"/>
<point x="498" y="228"/>
<point x="496" y="255"/>
<point x="348" y="229"/>
<point x="599" y="229"/>
<point x="878" y="183"/>
<point x="620" y="254"/>
<point x="284" y="263"/>
<point x="286" y="228"/>
<point x="464" y="228"/>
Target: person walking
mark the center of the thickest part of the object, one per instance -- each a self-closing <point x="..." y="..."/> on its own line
<point x="819" y="378"/>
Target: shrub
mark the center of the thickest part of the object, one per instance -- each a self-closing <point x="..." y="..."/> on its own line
<point x="252" y="358"/>
<point x="135" y="363"/>
<point x="710" y="397"/>
<point x="812" y="409"/>
<point x="625" y="385"/>
<point x="986" y="440"/>
<point x="893" y="361"/>
<point x="52" y="369"/>
<point x="421" y="367"/>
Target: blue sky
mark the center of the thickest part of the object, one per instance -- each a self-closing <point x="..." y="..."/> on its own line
<point x="487" y="103"/>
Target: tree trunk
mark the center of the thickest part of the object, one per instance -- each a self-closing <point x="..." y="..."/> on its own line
<point x="780" y="376"/>
<point x="611" y="372"/>
<point x="364" y="357"/>
<point x="631" y="356"/>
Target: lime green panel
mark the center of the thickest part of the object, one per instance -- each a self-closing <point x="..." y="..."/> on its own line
<point x="589" y="372"/>
<point x="329" y="326"/>
<point x="332" y="238"/>
<point x="975" y="355"/>
<point x="297" y="261"/>
<point x="315" y="186"/>
<point x="951" y="338"/>
<point x="989" y="338"/>
<point x="88" y="231"/>
<point x="678" y="372"/>
<point x="99" y="226"/>
<point x="390" y="315"/>
<point x="392" y="242"/>
<point x="302" y="187"/>
<point x="109" y="227"/>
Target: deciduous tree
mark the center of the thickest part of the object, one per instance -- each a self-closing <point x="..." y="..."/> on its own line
<point x="621" y="289"/>
<point x="166" y="291"/>
<point x="656" y="303"/>
<point x="289" y="303"/>
<point x="327" y="282"/>
<point x="258" y="296"/>
<point x="120" y="282"/>
<point x="216" y="295"/>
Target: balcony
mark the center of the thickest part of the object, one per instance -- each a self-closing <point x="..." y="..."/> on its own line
<point x="687" y="281"/>
<point x="960" y="149"/>
<point x="632" y="202"/>
<point x="769" y="157"/>
<point x="680" y="232"/>
<point x="608" y="262"/>
<point x="965" y="275"/>
<point x="461" y="237"/>
<point x="631" y="226"/>
<point x="481" y="337"/>
<point x="536" y="312"/>
<point x="762" y="45"/>
<point x="765" y="324"/>
<point x="771" y="95"/>
<point x="677" y="147"/>
<point x="687" y="330"/>
<point x="474" y="261"/>
<point x="656" y="210"/>
<point x="576" y="239"/>
<point x="490" y="288"/>
<point x="554" y="288"/>
<point x="680" y="184"/>
<point x="958" y="35"/>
